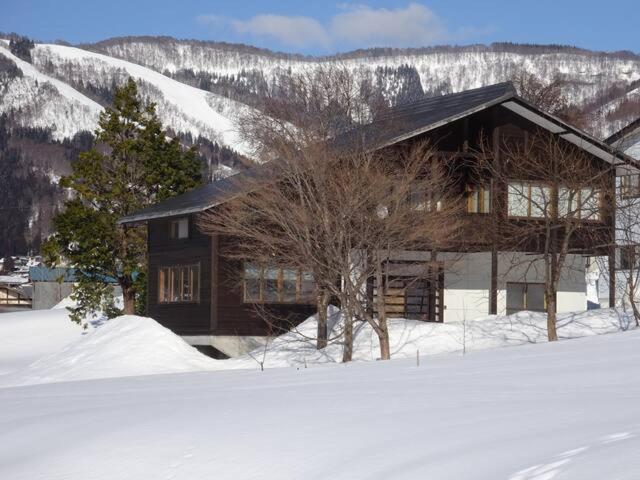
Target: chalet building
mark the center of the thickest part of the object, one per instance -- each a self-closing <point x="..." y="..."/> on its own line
<point x="210" y="300"/>
<point x="627" y="141"/>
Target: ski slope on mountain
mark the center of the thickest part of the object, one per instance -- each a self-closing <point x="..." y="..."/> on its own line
<point x="44" y="101"/>
<point x="564" y="410"/>
<point x="180" y="106"/>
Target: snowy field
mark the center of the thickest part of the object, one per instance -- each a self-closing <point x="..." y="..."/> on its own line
<point x="567" y="410"/>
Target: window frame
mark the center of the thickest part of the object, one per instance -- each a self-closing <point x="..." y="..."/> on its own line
<point x="174" y="234"/>
<point x="194" y="292"/>
<point x="531" y="185"/>
<point x="630" y="191"/>
<point x="299" y="300"/>
<point x="526" y="288"/>
<point x="483" y="192"/>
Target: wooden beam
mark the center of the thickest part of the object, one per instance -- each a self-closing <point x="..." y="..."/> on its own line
<point x="612" y="277"/>
<point x="215" y="281"/>
<point x="493" y="290"/>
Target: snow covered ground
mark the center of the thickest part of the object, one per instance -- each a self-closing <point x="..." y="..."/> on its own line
<point x="566" y="410"/>
<point x="45" y="346"/>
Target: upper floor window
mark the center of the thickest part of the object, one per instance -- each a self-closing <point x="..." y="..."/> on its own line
<point x="529" y="199"/>
<point x="277" y="285"/>
<point x="179" y="284"/>
<point x="478" y="199"/>
<point x="630" y="186"/>
<point x="179" y="228"/>
<point x="583" y="203"/>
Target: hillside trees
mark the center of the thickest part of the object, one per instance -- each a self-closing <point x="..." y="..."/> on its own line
<point x="132" y="165"/>
<point x="21" y="47"/>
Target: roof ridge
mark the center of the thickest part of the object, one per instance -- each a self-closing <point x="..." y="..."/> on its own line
<point x="418" y="104"/>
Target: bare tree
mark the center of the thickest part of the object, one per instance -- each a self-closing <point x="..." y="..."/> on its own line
<point x="557" y="205"/>
<point x="329" y="204"/>
<point x="549" y="97"/>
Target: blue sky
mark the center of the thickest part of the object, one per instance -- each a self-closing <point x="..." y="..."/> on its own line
<point x="321" y="27"/>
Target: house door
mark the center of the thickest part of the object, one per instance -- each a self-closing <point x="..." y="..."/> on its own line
<point x="413" y="298"/>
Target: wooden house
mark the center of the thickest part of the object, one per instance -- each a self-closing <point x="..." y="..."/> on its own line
<point x="204" y="297"/>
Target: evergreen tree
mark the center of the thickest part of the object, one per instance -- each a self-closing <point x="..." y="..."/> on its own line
<point x="131" y="166"/>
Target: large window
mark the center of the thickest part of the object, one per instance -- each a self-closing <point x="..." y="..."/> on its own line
<point x="525" y="296"/>
<point x="277" y="285"/>
<point x="179" y="228"/>
<point x="179" y="284"/>
<point x="478" y="199"/>
<point x="630" y="186"/>
<point x="527" y="199"/>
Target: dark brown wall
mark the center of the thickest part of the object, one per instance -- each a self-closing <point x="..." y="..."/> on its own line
<point x="234" y="317"/>
<point x="186" y="318"/>
<point x="460" y="139"/>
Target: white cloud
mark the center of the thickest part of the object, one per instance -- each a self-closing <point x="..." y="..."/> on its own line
<point x="355" y="26"/>
<point x="413" y="25"/>
<point x="290" y="30"/>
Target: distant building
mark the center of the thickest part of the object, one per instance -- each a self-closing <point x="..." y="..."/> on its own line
<point x="50" y="285"/>
<point x="15" y="294"/>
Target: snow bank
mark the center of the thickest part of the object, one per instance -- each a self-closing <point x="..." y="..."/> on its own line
<point x="297" y="348"/>
<point x="27" y="336"/>
<point x="124" y="346"/>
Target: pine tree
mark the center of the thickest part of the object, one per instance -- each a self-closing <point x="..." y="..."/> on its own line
<point x="131" y="166"/>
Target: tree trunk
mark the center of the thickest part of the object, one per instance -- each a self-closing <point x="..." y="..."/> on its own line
<point x="347" y="351"/>
<point x="323" y="304"/>
<point x="129" y="297"/>
<point x="383" y="329"/>
<point x="552" y="333"/>
<point x="632" y="299"/>
<point x="383" y="336"/>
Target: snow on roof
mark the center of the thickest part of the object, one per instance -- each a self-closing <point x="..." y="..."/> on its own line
<point x="13" y="279"/>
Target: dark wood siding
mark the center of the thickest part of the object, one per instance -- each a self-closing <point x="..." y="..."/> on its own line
<point x="235" y="317"/>
<point x="182" y="318"/>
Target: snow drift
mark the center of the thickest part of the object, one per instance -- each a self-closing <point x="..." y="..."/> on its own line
<point x="27" y="336"/>
<point x="124" y="346"/>
<point x="45" y="347"/>
<point x="409" y="337"/>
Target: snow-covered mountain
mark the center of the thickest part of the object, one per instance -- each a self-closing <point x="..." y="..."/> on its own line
<point x="592" y="79"/>
<point x="62" y="86"/>
<point x="54" y="92"/>
<point x="66" y="71"/>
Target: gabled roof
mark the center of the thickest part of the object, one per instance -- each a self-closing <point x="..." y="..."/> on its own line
<point x="409" y="120"/>
<point x="398" y="124"/>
